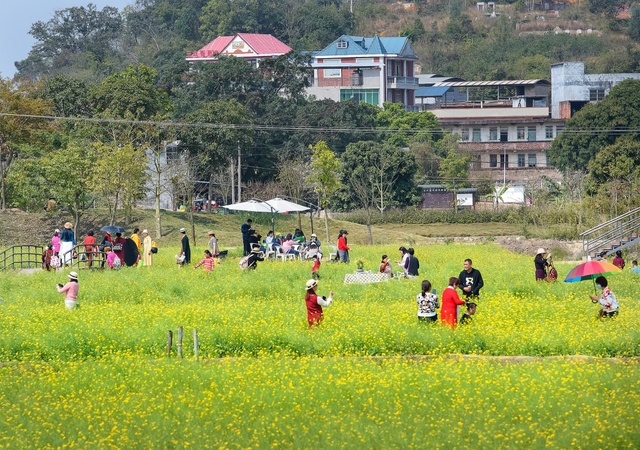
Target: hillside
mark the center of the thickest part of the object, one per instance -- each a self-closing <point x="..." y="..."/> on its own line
<point x="451" y="37"/>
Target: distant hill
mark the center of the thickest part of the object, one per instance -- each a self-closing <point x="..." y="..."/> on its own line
<point x="451" y="37"/>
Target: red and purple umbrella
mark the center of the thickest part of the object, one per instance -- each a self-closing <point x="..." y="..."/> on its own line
<point x="591" y="270"/>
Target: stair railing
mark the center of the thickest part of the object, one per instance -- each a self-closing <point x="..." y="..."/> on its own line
<point x="612" y="234"/>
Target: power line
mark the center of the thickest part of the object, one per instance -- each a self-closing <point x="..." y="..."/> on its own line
<point x="257" y="127"/>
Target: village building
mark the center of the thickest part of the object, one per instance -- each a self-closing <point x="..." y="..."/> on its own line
<point x="369" y="69"/>
<point x="253" y="48"/>
<point x="571" y="88"/>
<point x="505" y="125"/>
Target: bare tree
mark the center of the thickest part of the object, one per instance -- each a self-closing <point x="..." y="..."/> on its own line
<point x="183" y="176"/>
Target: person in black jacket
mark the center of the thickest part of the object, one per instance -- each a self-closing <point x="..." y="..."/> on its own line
<point x="185" y="248"/>
<point x="254" y="257"/>
<point x="411" y="264"/>
<point x="470" y="280"/>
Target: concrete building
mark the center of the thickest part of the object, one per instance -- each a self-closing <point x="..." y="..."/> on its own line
<point x="250" y="47"/>
<point x="372" y="70"/>
<point x="505" y="125"/>
<point x="571" y="88"/>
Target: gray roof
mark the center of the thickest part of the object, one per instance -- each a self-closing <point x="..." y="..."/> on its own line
<point x="493" y="83"/>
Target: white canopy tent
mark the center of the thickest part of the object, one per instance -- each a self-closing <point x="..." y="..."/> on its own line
<point x="275" y="205"/>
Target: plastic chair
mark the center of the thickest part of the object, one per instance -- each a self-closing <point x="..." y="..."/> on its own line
<point x="333" y="253"/>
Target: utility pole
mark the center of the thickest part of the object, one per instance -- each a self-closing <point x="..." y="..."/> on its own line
<point x="239" y="174"/>
<point x="233" y="191"/>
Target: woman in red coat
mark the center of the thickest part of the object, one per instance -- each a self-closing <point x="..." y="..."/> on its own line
<point x="450" y="303"/>
<point x="315" y="303"/>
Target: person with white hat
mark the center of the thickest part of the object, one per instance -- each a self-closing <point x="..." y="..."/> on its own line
<point x="147" y="245"/>
<point x="541" y="264"/>
<point x="315" y="303"/>
<point x="185" y="248"/>
<point x="70" y="290"/>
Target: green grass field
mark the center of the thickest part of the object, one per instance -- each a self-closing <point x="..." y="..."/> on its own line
<point x="99" y="377"/>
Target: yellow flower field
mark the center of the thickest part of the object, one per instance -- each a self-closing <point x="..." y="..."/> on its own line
<point x="99" y="377"/>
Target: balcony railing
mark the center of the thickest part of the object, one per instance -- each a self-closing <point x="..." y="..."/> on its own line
<point x="397" y="82"/>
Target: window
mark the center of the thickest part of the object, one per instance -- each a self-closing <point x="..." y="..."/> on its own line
<point x="493" y="161"/>
<point x="332" y="73"/>
<point x="521" y="161"/>
<point x="532" y="159"/>
<point x="504" y="134"/>
<point x="520" y="133"/>
<point x="559" y="129"/>
<point x="596" y="94"/>
<point x="531" y="134"/>
<point x="504" y="161"/>
<point x="370" y="96"/>
<point x="548" y="132"/>
<point x="465" y="134"/>
<point x="342" y="44"/>
<point x="493" y="133"/>
<point x="476" y="135"/>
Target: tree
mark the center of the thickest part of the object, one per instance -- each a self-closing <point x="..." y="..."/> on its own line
<point x="376" y="176"/>
<point x="69" y="172"/>
<point x="634" y="24"/>
<point x="616" y="169"/>
<point x="71" y="35"/>
<point x="596" y="126"/>
<point x="17" y="102"/>
<point x="454" y="168"/>
<point x="324" y="176"/>
<point x="411" y="125"/>
<point x="216" y="140"/>
<point x="131" y="94"/>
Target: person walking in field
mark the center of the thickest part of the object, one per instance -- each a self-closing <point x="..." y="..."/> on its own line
<point x="135" y="237"/>
<point x="213" y="244"/>
<point x="343" y="248"/>
<point x="67" y="242"/>
<point x="427" y="303"/>
<point x="541" y="264"/>
<point x="607" y="299"/>
<point x="316" y="267"/>
<point x="470" y="280"/>
<point x="315" y="303"/>
<point x="450" y="303"/>
<point x="185" y="248"/>
<point x="70" y="290"/>
<point x="207" y="262"/>
<point x="147" y="244"/>
<point x="47" y="254"/>
<point x="55" y="242"/>
<point x="89" y="247"/>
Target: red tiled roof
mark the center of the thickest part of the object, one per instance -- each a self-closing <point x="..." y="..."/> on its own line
<point x="261" y="44"/>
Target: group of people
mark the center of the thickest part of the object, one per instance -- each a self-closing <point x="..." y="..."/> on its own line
<point x="294" y="243"/>
<point x="62" y="249"/>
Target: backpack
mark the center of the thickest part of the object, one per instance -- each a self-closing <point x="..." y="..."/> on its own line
<point x="117" y="263"/>
<point x="244" y="263"/>
<point x="55" y="262"/>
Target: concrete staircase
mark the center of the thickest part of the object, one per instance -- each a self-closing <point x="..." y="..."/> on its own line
<point x="612" y="235"/>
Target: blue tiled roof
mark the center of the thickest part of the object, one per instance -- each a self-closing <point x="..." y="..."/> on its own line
<point x="357" y="45"/>
<point x="432" y="91"/>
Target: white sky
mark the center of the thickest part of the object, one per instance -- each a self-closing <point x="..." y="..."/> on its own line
<point x="16" y="18"/>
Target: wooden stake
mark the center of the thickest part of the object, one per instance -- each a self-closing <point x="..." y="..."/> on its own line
<point x="180" y="342"/>
<point x="195" y="343"/>
<point x="169" y="343"/>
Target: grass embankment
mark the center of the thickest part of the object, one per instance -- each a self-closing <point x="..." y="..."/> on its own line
<point x="98" y="376"/>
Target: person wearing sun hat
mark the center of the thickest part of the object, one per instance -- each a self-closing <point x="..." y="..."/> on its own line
<point x="70" y="290"/>
<point x="67" y="242"/>
<point x="315" y="303"/>
<point x="185" y="248"/>
<point x="147" y="244"/>
<point x="541" y="264"/>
